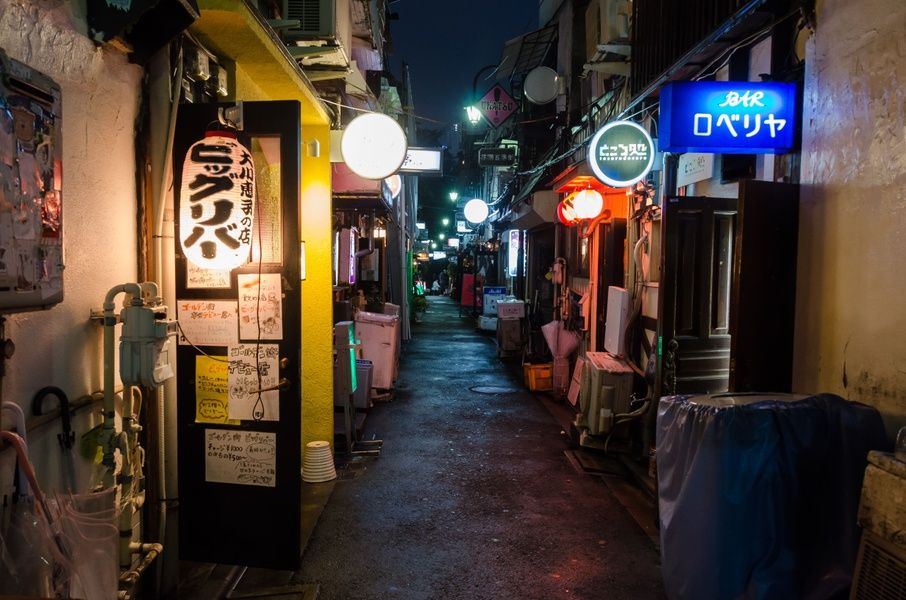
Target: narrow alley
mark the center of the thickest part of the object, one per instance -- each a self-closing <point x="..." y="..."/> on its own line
<point x="472" y="496"/>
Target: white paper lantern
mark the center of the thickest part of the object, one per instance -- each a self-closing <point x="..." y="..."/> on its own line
<point x="588" y="203"/>
<point x="373" y="146"/>
<point x="217" y="202"/>
<point x="475" y="210"/>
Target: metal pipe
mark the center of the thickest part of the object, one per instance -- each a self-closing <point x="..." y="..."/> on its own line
<point x="107" y="434"/>
<point x="134" y="575"/>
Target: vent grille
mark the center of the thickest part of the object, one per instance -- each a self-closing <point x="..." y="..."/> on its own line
<point x="307" y="12"/>
<point x="879" y="575"/>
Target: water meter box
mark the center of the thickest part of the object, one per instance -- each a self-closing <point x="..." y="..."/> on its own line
<point x="31" y="218"/>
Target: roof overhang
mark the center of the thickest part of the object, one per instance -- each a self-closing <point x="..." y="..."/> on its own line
<point x="540" y="208"/>
<point x="351" y="191"/>
<point x="237" y="31"/>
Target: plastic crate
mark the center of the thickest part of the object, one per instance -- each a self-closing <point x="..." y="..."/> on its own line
<point x="540" y="377"/>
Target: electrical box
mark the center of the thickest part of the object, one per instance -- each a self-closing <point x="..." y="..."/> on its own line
<point x="617" y="314"/>
<point x="31" y="201"/>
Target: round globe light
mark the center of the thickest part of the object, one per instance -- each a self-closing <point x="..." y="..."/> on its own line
<point x="373" y="146"/>
<point x="588" y="204"/>
<point x="476" y="210"/>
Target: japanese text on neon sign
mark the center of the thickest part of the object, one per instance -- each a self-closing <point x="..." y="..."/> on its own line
<point x="723" y="116"/>
<point x="747" y="124"/>
<point x="217" y="203"/>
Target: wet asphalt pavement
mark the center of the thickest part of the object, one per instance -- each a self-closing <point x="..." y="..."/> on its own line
<point x="472" y="496"/>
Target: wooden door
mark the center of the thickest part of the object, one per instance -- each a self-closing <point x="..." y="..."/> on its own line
<point x="697" y="267"/>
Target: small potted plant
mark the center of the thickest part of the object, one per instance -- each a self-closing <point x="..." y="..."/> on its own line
<point x="419" y="306"/>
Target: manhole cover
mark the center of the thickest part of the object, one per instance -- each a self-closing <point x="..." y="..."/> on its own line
<point x="491" y="389"/>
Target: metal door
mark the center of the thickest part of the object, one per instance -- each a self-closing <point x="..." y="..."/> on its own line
<point x="240" y="447"/>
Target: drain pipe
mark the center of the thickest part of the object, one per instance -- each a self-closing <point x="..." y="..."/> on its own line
<point x="108" y="437"/>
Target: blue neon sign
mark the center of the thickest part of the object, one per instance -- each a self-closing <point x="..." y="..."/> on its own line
<point x="728" y="117"/>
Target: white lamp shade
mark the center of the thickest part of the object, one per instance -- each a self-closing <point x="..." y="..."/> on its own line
<point x="475" y="210"/>
<point x="373" y="146"/>
<point x="588" y="204"/>
<point x="217" y="202"/>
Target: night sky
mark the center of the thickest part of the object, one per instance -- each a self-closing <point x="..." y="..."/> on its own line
<point x="446" y="42"/>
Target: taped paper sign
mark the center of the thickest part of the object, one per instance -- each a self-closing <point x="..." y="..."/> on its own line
<point x="240" y="457"/>
<point x="245" y="402"/>
<point x="207" y="322"/>
<point x="260" y="303"/>
<point x="212" y="390"/>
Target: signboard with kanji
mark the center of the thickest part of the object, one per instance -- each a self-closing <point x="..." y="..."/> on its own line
<point x="736" y="117"/>
<point x="497" y="105"/>
<point x="503" y="156"/>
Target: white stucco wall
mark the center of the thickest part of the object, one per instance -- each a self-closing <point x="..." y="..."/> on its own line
<point x="850" y="320"/>
<point x="100" y="93"/>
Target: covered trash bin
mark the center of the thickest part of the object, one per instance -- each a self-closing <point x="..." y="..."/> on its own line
<point x="758" y="494"/>
<point x="378" y="334"/>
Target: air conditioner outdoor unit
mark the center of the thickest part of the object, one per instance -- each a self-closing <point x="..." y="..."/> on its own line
<point x="615" y="21"/>
<point x="606" y="391"/>
<point x="317" y="18"/>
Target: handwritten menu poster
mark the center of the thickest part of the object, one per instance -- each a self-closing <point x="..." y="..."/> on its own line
<point x="207" y="322"/>
<point x="212" y="390"/>
<point x="240" y="457"/>
<point x="260" y="307"/>
<point x="245" y="402"/>
<point x="201" y="278"/>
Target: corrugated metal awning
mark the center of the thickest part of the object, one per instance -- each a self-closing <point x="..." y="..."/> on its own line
<point x="524" y="53"/>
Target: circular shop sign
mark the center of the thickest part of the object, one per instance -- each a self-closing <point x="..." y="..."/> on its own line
<point x="621" y="153"/>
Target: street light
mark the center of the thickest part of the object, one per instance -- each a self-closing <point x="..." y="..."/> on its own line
<point x="454" y="196"/>
<point x="440" y="236"/>
<point x="445" y="221"/>
<point x="473" y="114"/>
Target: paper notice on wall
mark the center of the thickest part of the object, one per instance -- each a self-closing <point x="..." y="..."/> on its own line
<point x="212" y="390"/>
<point x="201" y="278"/>
<point x="208" y="322"/>
<point x="260" y="307"/>
<point x="247" y="375"/>
<point x="240" y="457"/>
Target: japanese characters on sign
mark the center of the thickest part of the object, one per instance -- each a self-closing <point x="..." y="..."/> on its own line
<point x="496" y="106"/>
<point x="504" y="156"/>
<point x="728" y="117"/>
<point x="621" y="153"/>
<point x="217" y="202"/>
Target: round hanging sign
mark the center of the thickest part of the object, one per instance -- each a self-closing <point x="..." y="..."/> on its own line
<point x="621" y="153"/>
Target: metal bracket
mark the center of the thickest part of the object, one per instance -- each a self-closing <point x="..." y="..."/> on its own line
<point x="231" y="116"/>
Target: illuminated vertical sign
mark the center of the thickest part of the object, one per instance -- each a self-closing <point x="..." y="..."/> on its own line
<point x="513" y="253"/>
<point x="728" y="117"/>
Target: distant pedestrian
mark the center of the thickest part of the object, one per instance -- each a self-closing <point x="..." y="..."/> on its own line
<point x="444" y="280"/>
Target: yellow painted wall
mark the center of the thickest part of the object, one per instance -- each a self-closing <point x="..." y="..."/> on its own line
<point x="263" y="73"/>
<point x="317" y="290"/>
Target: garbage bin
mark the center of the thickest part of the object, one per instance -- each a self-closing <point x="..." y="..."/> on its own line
<point x="758" y="494"/>
<point x="378" y="334"/>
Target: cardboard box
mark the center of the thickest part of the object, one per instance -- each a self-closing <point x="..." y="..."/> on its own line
<point x="511" y="310"/>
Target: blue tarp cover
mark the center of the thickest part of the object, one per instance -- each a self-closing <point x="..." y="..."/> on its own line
<point x="759" y="500"/>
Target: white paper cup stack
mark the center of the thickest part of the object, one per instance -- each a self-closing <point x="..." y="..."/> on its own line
<point x="317" y="464"/>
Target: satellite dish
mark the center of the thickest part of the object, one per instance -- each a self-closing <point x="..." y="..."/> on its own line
<point x="541" y="85"/>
